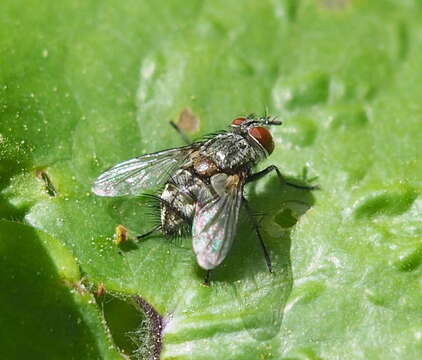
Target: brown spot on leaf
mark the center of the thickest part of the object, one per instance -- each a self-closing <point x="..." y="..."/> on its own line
<point x="121" y="235"/>
<point x="188" y="122"/>
<point x="100" y="290"/>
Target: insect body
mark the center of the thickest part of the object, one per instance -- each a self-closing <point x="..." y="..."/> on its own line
<point x="203" y="185"/>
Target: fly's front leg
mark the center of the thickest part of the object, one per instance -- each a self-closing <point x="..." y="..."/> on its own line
<point x="184" y="137"/>
<point x="260" y="174"/>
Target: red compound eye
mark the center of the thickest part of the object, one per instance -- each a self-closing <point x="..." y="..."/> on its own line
<point x="263" y="136"/>
<point x="238" y="121"/>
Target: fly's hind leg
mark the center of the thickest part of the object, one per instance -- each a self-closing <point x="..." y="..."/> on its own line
<point x="207" y="278"/>
<point x="148" y="233"/>
<point x="258" y="234"/>
<point x="169" y="219"/>
<point x="270" y="168"/>
<point x="184" y="137"/>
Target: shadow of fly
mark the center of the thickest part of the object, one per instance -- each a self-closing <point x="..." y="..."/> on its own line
<point x="202" y="186"/>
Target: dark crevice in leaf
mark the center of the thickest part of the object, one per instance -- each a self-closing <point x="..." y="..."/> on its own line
<point x="49" y="186"/>
<point x="409" y="259"/>
<point x="387" y="202"/>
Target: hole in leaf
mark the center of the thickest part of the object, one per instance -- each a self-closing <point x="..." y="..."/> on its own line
<point x="123" y="321"/>
<point x="149" y="334"/>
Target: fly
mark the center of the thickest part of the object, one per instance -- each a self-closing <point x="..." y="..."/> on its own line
<point x="202" y="186"/>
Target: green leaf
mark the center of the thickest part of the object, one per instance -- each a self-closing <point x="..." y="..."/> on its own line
<point x="47" y="313"/>
<point x="87" y="84"/>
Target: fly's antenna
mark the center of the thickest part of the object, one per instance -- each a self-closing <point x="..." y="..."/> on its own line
<point x="275" y="122"/>
<point x="270" y="120"/>
<point x="267" y="119"/>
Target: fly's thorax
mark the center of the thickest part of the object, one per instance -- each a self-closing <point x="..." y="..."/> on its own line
<point x="231" y="151"/>
<point x="203" y="165"/>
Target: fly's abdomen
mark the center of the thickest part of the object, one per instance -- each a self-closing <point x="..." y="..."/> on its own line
<point x="178" y="201"/>
<point x="177" y="210"/>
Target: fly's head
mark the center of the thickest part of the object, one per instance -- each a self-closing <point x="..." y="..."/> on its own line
<point x="255" y="130"/>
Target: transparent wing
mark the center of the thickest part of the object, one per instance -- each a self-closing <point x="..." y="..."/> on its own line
<point x="214" y="225"/>
<point x="136" y="175"/>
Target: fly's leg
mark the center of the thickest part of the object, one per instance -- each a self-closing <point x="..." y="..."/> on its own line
<point x="184" y="137"/>
<point x="207" y="278"/>
<point x="142" y="236"/>
<point x="258" y="234"/>
<point x="270" y="168"/>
